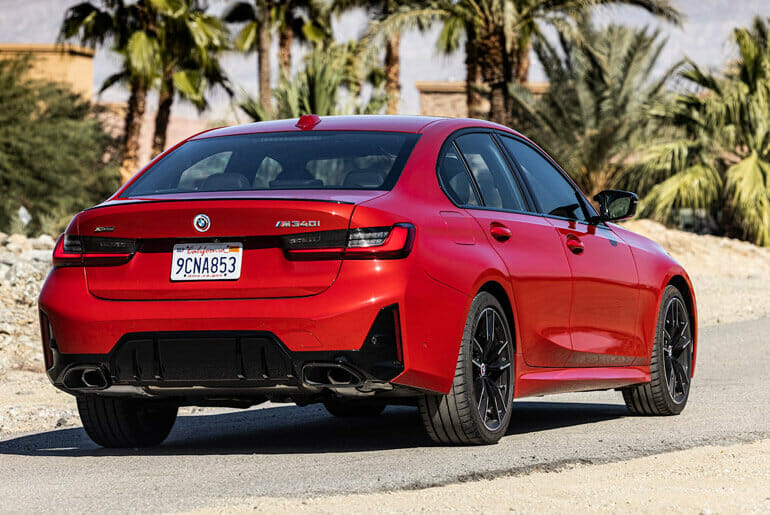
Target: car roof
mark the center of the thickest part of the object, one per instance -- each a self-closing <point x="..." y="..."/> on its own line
<point x="388" y="123"/>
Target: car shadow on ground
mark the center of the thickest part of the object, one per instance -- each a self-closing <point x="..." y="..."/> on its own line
<point x="292" y="429"/>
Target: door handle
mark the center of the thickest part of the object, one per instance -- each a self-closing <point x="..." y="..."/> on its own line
<point x="500" y="232"/>
<point x="574" y="244"/>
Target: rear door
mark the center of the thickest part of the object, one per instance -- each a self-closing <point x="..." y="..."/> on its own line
<point x="605" y="292"/>
<point x="527" y="244"/>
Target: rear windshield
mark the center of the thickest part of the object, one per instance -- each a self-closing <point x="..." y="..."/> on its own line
<point x="280" y="161"/>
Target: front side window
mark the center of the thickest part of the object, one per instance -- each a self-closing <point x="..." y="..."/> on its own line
<point x="493" y="177"/>
<point x="554" y="193"/>
<point x="276" y="161"/>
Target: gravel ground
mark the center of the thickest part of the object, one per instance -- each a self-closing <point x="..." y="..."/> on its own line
<point x="704" y="480"/>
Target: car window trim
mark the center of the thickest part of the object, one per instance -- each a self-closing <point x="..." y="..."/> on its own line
<point x="588" y="210"/>
<point x="451" y="142"/>
<point x="475" y="184"/>
<point x="448" y="144"/>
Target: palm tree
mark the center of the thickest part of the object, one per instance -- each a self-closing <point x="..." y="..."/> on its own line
<point x="498" y="37"/>
<point x="378" y="11"/>
<point x="255" y="36"/>
<point x="328" y="84"/>
<point x="130" y="31"/>
<point x="596" y="112"/>
<point x="190" y="43"/>
<point x="306" y="20"/>
<point x="718" y="157"/>
<point x="303" y="20"/>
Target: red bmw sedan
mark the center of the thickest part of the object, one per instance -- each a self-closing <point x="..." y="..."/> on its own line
<point x="359" y="262"/>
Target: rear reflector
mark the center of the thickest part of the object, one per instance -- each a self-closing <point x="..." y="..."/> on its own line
<point x="73" y="250"/>
<point x="364" y="243"/>
<point x="47" y="336"/>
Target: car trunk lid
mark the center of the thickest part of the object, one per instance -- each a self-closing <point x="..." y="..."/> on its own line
<point x="259" y="226"/>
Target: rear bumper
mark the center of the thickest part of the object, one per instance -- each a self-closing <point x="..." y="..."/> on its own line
<point x="242" y="334"/>
<point x="246" y="365"/>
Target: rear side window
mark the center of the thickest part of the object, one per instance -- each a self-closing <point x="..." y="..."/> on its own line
<point x="274" y="161"/>
<point x="554" y="193"/>
<point x="493" y="177"/>
<point x="457" y="183"/>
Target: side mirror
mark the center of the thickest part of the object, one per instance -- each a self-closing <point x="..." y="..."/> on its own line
<point x="615" y="205"/>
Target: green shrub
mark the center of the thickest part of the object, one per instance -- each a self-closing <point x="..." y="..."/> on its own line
<point x="55" y="157"/>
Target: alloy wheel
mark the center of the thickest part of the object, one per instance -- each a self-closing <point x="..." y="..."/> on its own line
<point x="492" y="370"/>
<point x="677" y="350"/>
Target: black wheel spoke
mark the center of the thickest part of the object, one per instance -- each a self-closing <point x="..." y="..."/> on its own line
<point x="681" y="345"/>
<point x="490" y="321"/>
<point x="495" y="369"/>
<point x="483" y="401"/>
<point x="682" y="378"/>
<point x="499" y="400"/>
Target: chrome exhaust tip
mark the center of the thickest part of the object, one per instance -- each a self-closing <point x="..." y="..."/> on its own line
<point x="86" y="378"/>
<point x="330" y="375"/>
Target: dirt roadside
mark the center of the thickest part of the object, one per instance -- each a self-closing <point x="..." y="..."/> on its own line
<point x="703" y="480"/>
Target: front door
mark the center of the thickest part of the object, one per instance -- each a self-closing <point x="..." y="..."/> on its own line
<point x="605" y="295"/>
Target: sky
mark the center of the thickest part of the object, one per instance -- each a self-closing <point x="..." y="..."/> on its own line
<point x="704" y="37"/>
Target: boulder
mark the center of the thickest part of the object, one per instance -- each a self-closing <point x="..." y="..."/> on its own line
<point x="42" y="242"/>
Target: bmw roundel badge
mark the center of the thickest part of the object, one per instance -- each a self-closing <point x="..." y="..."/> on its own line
<point x="202" y="223"/>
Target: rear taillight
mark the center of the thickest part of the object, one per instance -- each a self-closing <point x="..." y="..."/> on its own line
<point x="73" y="250"/>
<point x="364" y="243"/>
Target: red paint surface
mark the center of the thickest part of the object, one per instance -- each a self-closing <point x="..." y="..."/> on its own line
<point x="582" y="321"/>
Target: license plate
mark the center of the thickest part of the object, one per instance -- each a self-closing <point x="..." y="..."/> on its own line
<point x="206" y="262"/>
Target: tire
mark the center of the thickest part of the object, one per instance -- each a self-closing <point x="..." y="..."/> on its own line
<point x="125" y="423"/>
<point x="456" y="418"/>
<point x="354" y="407"/>
<point x="670" y="363"/>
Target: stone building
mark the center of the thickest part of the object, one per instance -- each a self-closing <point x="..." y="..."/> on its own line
<point x="70" y="64"/>
<point x="448" y="98"/>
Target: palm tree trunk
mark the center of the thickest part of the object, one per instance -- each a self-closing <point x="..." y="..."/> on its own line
<point x="521" y="73"/>
<point x="285" y="40"/>
<point x="165" y="100"/>
<point x="393" y="73"/>
<point x="263" y="63"/>
<point x="473" y="82"/>
<point x="133" y="127"/>
<point x="492" y="61"/>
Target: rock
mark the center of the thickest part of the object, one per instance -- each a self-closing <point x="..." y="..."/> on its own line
<point x="3" y="238"/>
<point x="19" y="239"/>
<point x="17" y="243"/>
<point x="42" y="242"/>
<point x="4" y="271"/>
<point x="38" y="255"/>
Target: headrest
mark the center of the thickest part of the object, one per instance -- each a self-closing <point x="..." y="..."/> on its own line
<point x="364" y="178"/>
<point x="225" y="182"/>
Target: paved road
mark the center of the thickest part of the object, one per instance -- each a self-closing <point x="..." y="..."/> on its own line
<point x="291" y="451"/>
